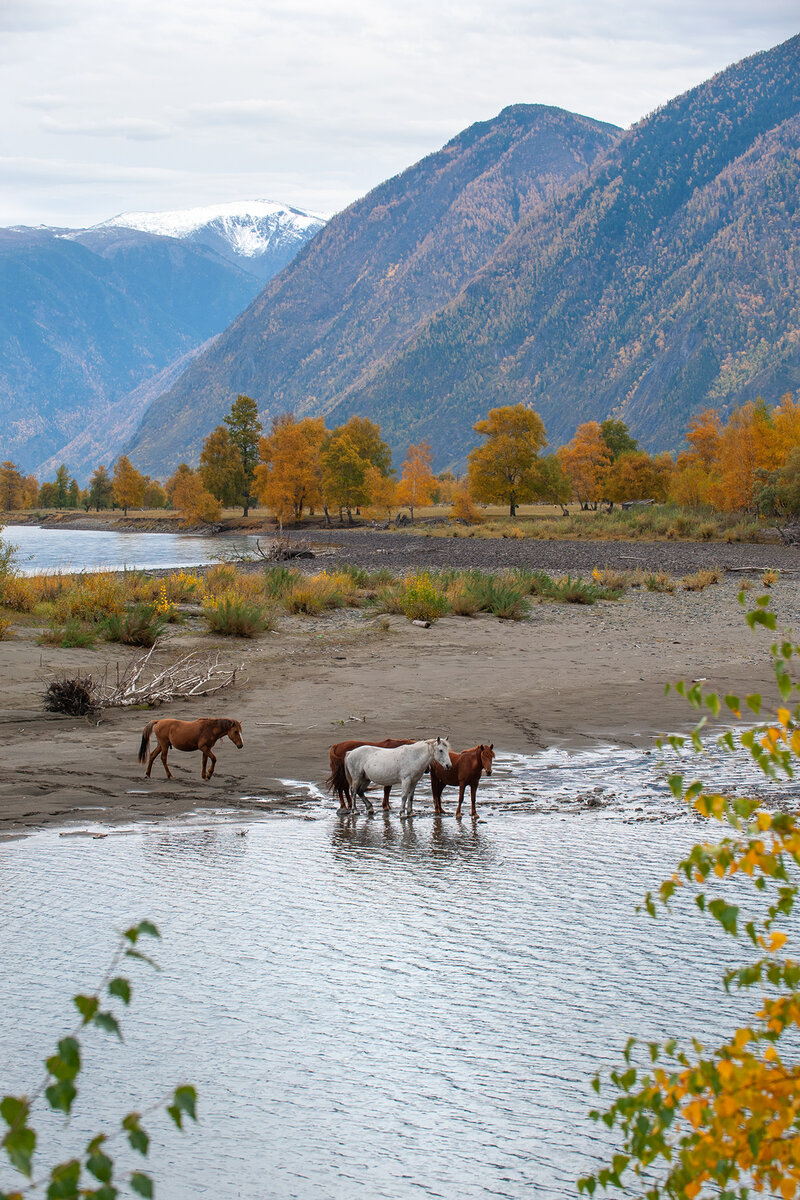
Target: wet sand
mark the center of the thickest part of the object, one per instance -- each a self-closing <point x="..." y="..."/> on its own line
<point x="567" y="676"/>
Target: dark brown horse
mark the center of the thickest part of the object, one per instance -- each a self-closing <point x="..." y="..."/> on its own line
<point x="337" y="783"/>
<point x="188" y="735"/>
<point x="464" y="772"/>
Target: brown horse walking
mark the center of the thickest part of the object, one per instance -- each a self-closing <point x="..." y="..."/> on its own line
<point x="337" y="782"/>
<point x="188" y="735"/>
<point x="464" y="772"/>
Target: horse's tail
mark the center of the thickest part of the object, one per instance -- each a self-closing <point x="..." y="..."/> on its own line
<point x="336" y="782"/>
<point x="144" y="745"/>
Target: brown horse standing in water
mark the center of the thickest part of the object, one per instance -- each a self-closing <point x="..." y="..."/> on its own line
<point x="188" y="735"/>
<point x="337" y="782"/>
<point x="465" y="771"/>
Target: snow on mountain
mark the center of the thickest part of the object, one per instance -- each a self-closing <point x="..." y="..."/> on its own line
<point x="251" y="228"/>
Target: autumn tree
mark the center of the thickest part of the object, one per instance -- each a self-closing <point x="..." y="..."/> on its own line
<point x="348" y="453"/>
<point x="190" y="497"/>
<point x="154" y="495"/>
<point x="289" y="475"/>
<point x="30" y="491"/>
<point x="417" y="481"/>
<point x="128" y="484"/>
<point x="221" y="468"/>
<point x="12" y="486"/>
<point x="503" y="469"/>
<point x="62" y="482"/>
<point x="382" y="491"/>
<point x="101" y="489"/>
<point x="703" y="437"/>
<point x="638" y="476"/>
<point x="585" y="460"/>
<point x="245" y="430"/>
<point x="701" y="1121"/>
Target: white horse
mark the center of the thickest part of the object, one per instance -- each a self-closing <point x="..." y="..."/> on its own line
<point x="406" y="765"/>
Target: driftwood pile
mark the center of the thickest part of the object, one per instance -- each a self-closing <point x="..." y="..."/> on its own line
<point x="195" y="674"/>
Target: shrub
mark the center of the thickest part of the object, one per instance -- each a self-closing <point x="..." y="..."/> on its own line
<point x="280" y="580"/>
<point x="232" y="616"/>
<point x="502" y="595"/>
<point x="743" y="531"/>
<point x="183" y="587"/>
<point x="616" y="580"/>
<point x="462" y="599"/>
<point x="220" y="579"/>
<point x="770" y="577"/>
<point x="567" y="590"/>
<point x="317" y="594"/>
<point x="421" y="600"/>
<point x="72" y="635"/>
<point x="659" y="581"/>
<point x="73" y="697"/>
<point x="701" y="579"/>
<point x="5" y="629"/>
<point x="706" y="531"/>
<point x="141" y="625"/>
<point x="18" y="593"/>
<point x="91" y="598"/>
<point x="464" y="509"/>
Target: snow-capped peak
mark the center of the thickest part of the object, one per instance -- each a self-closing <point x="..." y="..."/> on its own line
<point x="250" y="227"/>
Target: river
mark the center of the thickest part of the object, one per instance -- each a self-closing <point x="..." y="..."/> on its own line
<point x="41" y="549"/>
<point x="367" y="1007"/>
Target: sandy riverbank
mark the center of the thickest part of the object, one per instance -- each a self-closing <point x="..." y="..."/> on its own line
<point x="566" y="676"/>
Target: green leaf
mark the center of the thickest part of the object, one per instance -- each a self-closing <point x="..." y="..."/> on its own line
<point x="67" y="1063"/>
<point x="142" y="1184"/>
<point x="87" y="1006"/>
<point x="675" y="783"/>
<point x="19" y="1144"/>
<point x="120" y="987"/>
<point x="100" y="1165"/>
<point x="142" y="958"/>
<point x="726" y="914"/>
<point x="712" y="703"/>
<point x="753" y="701"/>
<point x="64" y="1181"/>
<point x="137" y="1137"/>
<point x="109" y="1022"/>
<point x="60" y="1095"/>
<point x="784" y="685"/>
<point x="186" y="1100"/>
<point x="14" y="1110"/>
<point x="143" y="929"/>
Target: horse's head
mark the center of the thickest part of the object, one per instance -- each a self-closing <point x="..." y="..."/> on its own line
<point x="487" y="758"/>
<point x="235" y="733"/>
<point x="441" y="751"/>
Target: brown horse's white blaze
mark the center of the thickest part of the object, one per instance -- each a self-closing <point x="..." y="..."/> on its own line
<point x="464" y="771"/>
<point x="202" y="734"/>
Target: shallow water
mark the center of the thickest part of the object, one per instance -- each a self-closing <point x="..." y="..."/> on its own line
<point x="368" y="1007"/>
<point x="90" y="549"/>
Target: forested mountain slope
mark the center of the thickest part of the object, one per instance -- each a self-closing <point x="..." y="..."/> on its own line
<point x="364" y="284"/>
<point x="667" y="282"/>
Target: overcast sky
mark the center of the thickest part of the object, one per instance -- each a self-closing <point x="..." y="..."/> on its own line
<point x="153" y="104"/>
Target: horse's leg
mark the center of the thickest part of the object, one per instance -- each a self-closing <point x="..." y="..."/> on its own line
<point x="408" y="785"/>
<point x="152" y="759"/>
<point x="386" y="793"/>
<point x="164" y="751"/>
<point x="213" y="758"/>
<point x="461" y="788"/>
<point x="436" y="792"/>
<point x="473" y="787"/>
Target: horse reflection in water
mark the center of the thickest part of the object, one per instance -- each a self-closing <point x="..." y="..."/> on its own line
<point x="406" y="765"/>
<point x="437" y="841"/>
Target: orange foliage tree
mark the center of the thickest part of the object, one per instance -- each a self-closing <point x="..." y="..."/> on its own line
<point x="503" y="469"/>
<point x="187" y="493"/>
<point x="417" y="481"/>
<point x="638" y="476"/>
<point x="289" y="475"/>
<point x="128" y="484"/>
<point x="585" y="461"/>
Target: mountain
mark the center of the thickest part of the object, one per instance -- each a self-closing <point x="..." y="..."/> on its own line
<point x="660" y="280"/>
<point x="360" y="289"/>
<point x="665" y="283"/>
<point x="259" y="236"/>
<point x="87" y="316"/>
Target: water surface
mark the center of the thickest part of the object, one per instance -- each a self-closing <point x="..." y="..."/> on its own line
<point x="90" y="549"/>
<point x="368" y="1007"/>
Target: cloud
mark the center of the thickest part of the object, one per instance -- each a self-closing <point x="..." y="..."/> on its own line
<point x="33" y="16"/>
<point x="136" y="128"/>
